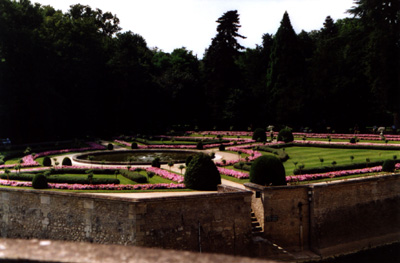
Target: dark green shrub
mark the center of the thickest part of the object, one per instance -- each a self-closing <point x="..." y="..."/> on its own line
<point x="46" y="161"/>
<point x="221" y="147"/>
<point x="267" y="170"/>
<point x="39" y="181"/>
<point x="188" y="160"/>
<point x="134" y="145"/>
<point x="353" y="140"/>
<point x="110" y="146"/>
<point x="66" y="161"/>
<point x="285" y="135"/>
<point x="134" y="176"/>
<point x="199" y="146"/>
<point x="259" y="135"/>
<point x="156" y="162"/>
<point x="388" y="165"/>
<point x="202" y="174"/>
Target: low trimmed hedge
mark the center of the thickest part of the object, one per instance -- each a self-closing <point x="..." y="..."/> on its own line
<point x="281" y="154"/>
<point x="134" y="176"/>
<point x="245" y="166"/>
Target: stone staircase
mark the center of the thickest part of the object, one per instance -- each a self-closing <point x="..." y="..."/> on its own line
<point x="256" y="229"/>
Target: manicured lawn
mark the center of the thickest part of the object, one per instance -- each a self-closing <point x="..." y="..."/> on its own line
<point x="309" y="156"/>
<point x="154" y="180"/>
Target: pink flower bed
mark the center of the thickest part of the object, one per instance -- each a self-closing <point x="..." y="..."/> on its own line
<point x="345" y="143"/>
<point x="389" y="137"/>
<point x="233" y="173"/>
<point x="308" y="177"/>
<point x="97" y="187"/>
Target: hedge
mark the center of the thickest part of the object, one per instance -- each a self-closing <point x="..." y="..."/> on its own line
<point x="134" y="176"/>
<point x="60" y="180"/>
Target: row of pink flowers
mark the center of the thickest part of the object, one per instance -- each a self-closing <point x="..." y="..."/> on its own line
<point x="309" y="177"/>
<point x="97" y="187"/>
<point x="390" y="137"/>
<point x="165" y="174"/>
<point x="233" y="173"/>
<point x="346" y="143"/>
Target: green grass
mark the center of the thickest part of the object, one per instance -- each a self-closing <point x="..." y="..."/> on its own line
<point x="309" y="156"/>
<point x="154" y="180"/>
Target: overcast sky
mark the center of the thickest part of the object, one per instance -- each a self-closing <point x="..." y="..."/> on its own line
<point x="170" y="24"/>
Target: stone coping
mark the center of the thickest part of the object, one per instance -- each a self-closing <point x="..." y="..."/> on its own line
<point x="164" y="196"/>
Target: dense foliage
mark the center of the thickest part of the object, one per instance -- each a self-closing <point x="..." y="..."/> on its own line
<point x="63" y="64"/>
<point x="202" y="174"/>
<point x="259" y="135"/>
<point x="66" y="161"/>
<point x="285" y="135"/>
<point x="39" y="181"/>
<point x="267" y="170"/>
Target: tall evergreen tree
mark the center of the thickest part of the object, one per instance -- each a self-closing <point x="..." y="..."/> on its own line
<point x="285" y="75"/>
<point x="221" y="72"/>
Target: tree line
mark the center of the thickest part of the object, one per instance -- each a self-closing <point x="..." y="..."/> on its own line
<point x="73" y="74"/>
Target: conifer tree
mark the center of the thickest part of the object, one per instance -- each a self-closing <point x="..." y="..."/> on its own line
<point x="285" y="74"/>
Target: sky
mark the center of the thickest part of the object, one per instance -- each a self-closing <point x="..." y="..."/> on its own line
<point x="170" y="24"/>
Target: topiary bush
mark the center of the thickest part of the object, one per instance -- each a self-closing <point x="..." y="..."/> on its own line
<point x="46" y="161"/>
<point x="110" y="146"/>
<point x="156" y="162"/>
<point x="389" y="165"/>
<point x="202" y="174"/>
<point x="259" y="135"/>
<point x="199" y="146"/>
<point x="66" y="161"/>
<point x="267" y="170"/>
<point x="134" y="145"/>
<point x="221" y="147"/>
<point x="188" y="160"/>
<point x="285" y="135"/>
<point x="39" y="181"/>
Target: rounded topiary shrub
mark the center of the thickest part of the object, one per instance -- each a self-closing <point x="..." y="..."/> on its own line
<point x="199" y="146"/>
<point x="39" y="181"/>
<point x="66" y="161"/>
<point x="110" y="146"/>
<point x="188" y="160"/>
<point x="285" y="135"/>
<point x="267" y="170"/>
<point x="202" y="174"/>
<point x="156" y="162"/>
<point x="221" y="147"/>
<point x="388" y="165"/>
<point x="46" y="161"/>
<point x="134" y="145"/>
<point x="259" y="135"/>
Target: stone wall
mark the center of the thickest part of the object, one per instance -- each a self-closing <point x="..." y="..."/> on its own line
<point x="331" y="218"/>
<point x="218" y="222"/>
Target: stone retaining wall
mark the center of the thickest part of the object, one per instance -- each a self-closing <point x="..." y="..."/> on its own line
<point x="218" y="222"/>
<point x="331" y="218"/>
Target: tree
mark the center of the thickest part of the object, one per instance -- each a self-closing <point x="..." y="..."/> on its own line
<point x="381" y="19"/>
<point x="221" y="72"/>
<point x="285" y="74"/>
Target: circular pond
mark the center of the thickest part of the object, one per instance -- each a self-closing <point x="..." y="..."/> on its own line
<point x="134" y="156"/>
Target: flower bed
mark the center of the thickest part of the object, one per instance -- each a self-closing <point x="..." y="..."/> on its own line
<point x="97" y="187"/>
<point x="233" y="173"/>
<point x="308" y="177"/>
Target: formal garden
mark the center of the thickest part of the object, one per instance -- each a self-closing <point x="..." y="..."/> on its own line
<point x="260" y="156"/>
